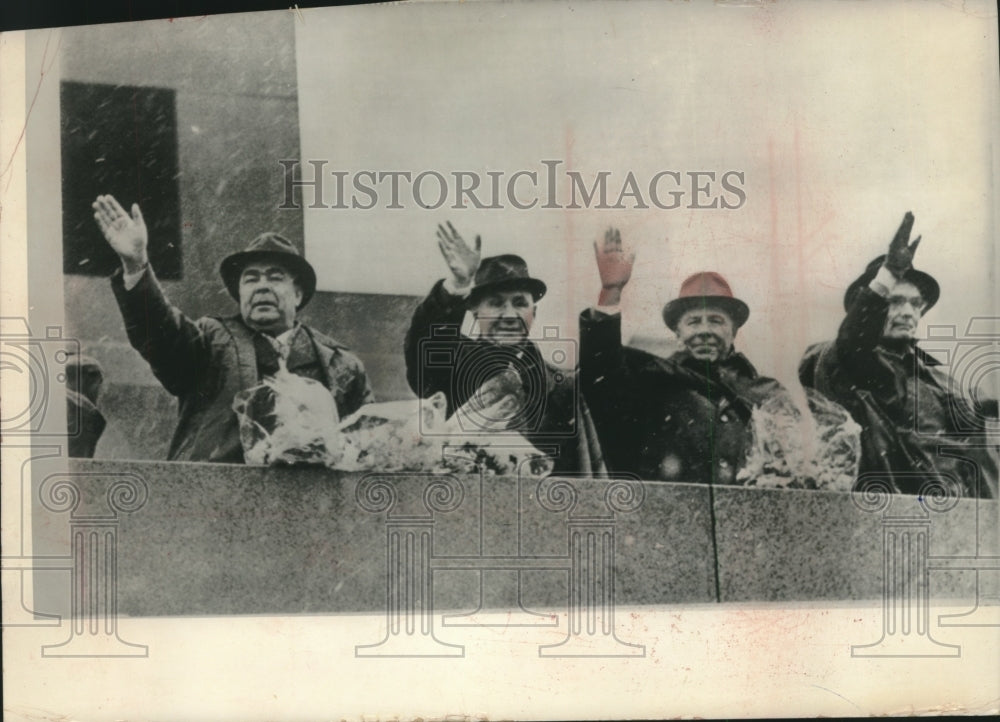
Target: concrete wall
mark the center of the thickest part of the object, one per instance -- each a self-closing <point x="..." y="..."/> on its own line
<point x="237" y="115"/>
<point x="223" y="539"/>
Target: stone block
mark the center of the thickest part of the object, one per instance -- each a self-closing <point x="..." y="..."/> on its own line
<point x="227" y="539"/>
<point x="778" y="544"/>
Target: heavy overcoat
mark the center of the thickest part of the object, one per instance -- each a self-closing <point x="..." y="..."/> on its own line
<point x="204" y="363"/>
<point x="440" y="358"/>
<point x="670" y="419"/>
<point x="918" y="431"/>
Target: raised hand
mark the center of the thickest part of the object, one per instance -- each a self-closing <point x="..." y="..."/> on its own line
<point x="899" y="260"/>
<point x="613" y="265"/>
<point x="462" y="260"/>
<point x="126" y="234"/>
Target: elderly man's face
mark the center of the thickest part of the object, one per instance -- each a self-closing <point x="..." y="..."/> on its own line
<point x="906" y="306"/>
<point x="269" y="296"/>
<point x="505" y="316"/>
<point x="707" y="332"/>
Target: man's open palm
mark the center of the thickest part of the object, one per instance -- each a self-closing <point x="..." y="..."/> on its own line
<point x="613" y="263"/>
<point x="462" y="259"/>
<point x="125" y="233"/>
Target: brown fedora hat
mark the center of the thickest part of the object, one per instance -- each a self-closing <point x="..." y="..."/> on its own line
<point x="705" y="289"/>
<point x="274" y="247"/>
<point x="925" y="283"/>
<point x="504" y="273"/>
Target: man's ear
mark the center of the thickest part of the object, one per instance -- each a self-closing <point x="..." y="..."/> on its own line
<point x="298" y="293"/>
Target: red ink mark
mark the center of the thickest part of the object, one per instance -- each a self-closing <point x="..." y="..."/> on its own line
<point x="41" y="76"/>
<point x="569" y="231"/>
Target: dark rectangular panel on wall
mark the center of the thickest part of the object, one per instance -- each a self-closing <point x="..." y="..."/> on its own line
<point x="121" y="140"/>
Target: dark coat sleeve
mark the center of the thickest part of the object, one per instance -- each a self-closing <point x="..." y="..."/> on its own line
<point x="438" y="318"/>
<point x="175" y="347"/>
<point x="617" y="393"/>
<point x="860" y="332"/>
<point x="87" y="421"/>
<point x="611" y="375"/>
<point x="567" y="416"/>
<point x="851" y="362"/>
<point x="601" y="354"/>
<point x="603" y="372"/>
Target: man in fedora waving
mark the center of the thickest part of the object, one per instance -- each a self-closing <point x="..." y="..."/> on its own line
<point x="534" y="397"/>
<point x="205" y="363"/>
<point x="919" y="434"/>
<point x="682" y="418"/>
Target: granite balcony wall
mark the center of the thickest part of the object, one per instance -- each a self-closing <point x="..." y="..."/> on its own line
<point x="197" y="538"/>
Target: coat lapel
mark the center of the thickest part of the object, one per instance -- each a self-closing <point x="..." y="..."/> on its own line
<point x="325" y="357"/>
<point x="246" y="356"/>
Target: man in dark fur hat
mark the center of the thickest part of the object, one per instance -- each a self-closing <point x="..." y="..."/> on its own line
<point x="907" y="406"/>
<point x="205" y="363"/>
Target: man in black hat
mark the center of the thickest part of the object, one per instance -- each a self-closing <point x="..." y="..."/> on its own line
<point x="681" y="418"/>
<point x="205" y="363"/>
<point x="904" y="403"/>
<point x="533" y="396"/>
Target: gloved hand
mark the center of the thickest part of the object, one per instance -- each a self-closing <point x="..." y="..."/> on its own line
<point x="899" y="260"/>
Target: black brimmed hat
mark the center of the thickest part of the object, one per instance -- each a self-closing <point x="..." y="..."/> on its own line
<point x="274" y="247"/>
<point x="504" y="273"/>
<point x="925" y="283"/>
